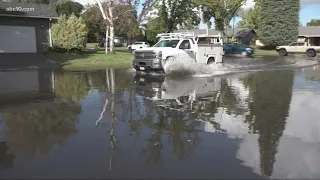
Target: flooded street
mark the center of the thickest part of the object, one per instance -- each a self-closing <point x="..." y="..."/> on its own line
<point x="116" y="124"/>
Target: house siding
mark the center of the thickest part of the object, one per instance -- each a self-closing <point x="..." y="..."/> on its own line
<point x="42" y="35"/>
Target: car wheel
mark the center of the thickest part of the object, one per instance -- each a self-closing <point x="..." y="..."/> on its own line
<point x="244" y="53"/>
<point x="210" y="60"/>
<point x="311" y="53"/>
<point x="283" y="52"/>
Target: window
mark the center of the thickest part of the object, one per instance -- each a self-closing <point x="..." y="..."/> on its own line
<point x="185" y="45"/>
<point x="137" y="43"/>
<point x="167" y="43"/>
<point x="300" y="44"/>
<point x="293" y="44"/>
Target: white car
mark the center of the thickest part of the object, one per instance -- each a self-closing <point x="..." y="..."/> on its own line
<point x="298" y="47"/>
<point x="138" y="45"/>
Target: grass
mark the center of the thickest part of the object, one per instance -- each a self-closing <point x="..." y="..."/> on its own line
<point x="93" y="59"/>
<point x="262" y="52"/>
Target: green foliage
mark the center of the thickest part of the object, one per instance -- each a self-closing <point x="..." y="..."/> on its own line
<point x="251" y="19"/>
<point x="94" y="21"/>
<point x="314" y="22"/>
<point x="68" y="8"/>
<point x="279" y="22"/>
<point x="155" y="26"/>
<point x="221" y="11"/>
<point x="177" y="12"/>
<point x="69" y="34"/>
<point x="127" y="23"/>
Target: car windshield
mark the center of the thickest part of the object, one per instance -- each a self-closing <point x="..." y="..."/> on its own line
<point x="167" y="43"/>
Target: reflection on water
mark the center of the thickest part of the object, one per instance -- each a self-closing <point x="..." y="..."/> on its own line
<point x="116" y="124"/>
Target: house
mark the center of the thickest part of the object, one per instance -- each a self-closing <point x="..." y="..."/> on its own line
<point x="24" y="29"/>
<point x="310" y="35"/>
<point x="242" y="35"/>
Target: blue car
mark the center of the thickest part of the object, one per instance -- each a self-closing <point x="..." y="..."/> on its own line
<point x="237" y="49"/>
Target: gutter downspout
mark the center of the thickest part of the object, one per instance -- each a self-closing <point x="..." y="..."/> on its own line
<point x="50" y="37"/>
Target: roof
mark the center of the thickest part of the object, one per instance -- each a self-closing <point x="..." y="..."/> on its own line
<point x="34" y="10"/>
<point x="309" y="31"/>
<point x="239" y="32"/>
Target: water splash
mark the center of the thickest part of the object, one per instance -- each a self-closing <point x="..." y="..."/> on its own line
<point x="188" y="68"/>
<point x="182" y="67"/>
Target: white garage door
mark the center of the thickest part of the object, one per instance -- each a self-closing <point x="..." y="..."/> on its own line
<point x="17" y="39"/>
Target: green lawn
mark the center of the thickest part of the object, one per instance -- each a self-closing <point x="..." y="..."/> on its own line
<point x="92" y="60"/>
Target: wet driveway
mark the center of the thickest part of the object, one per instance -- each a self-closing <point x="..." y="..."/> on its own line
<point x="113" y="124"/>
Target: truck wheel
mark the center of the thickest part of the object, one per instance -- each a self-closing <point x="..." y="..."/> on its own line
<point x="311" y="53"/>
<point x="163" y="62"/>
<point x="283" y="52"/>
<point x="211" y="60"/>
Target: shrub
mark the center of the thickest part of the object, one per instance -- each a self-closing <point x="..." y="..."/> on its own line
<point x="69" y="34"/>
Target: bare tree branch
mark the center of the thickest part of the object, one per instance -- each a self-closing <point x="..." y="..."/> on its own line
<point x="104" y="15"/>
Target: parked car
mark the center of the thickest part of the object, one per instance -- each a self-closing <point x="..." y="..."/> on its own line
<point x="237" y="49"/>
<point x="138" y="45"/>
<point x="298" y="47"/>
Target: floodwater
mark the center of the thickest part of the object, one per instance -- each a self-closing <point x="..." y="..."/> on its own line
<point x="115" y="124"/>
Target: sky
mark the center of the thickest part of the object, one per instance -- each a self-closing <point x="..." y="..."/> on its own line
<point x="309" y="10"/>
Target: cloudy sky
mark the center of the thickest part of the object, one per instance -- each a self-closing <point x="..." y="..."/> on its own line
<point x="309" y="9"/>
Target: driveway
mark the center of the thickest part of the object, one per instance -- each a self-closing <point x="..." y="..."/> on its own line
<point x="25" y="60"/>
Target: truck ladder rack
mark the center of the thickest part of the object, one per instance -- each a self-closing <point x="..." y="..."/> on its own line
<point x="176" y="35"/>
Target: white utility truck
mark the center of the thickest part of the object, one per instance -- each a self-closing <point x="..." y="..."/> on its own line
<point x="172" y="46"/>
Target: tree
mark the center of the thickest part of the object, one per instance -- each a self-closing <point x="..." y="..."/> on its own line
<point x="221" y="10"/>
<point x="69" y="34"/>
<point x="69" y="7"/>
<point x="314" y="22"/>
<point x="154" y="27"/>
<point x="108" y="14"/>
<point x="177" y="12"/>
<point x="251" y="19"/>
<point x="94" y="22"/>
<point x="279" y="22"/>
<point x="127" y="24"/>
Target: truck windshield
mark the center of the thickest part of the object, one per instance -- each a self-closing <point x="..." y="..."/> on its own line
<point x="167" y="43"/>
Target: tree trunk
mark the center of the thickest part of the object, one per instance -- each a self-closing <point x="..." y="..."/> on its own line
<point x="107" y="37"/>
<point x="112" y="38"/>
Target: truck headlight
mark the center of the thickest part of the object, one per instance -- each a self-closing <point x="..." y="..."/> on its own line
<point x="159" y="55"/>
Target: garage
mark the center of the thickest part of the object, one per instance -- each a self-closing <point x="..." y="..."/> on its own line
<point x="18" y="39"/>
